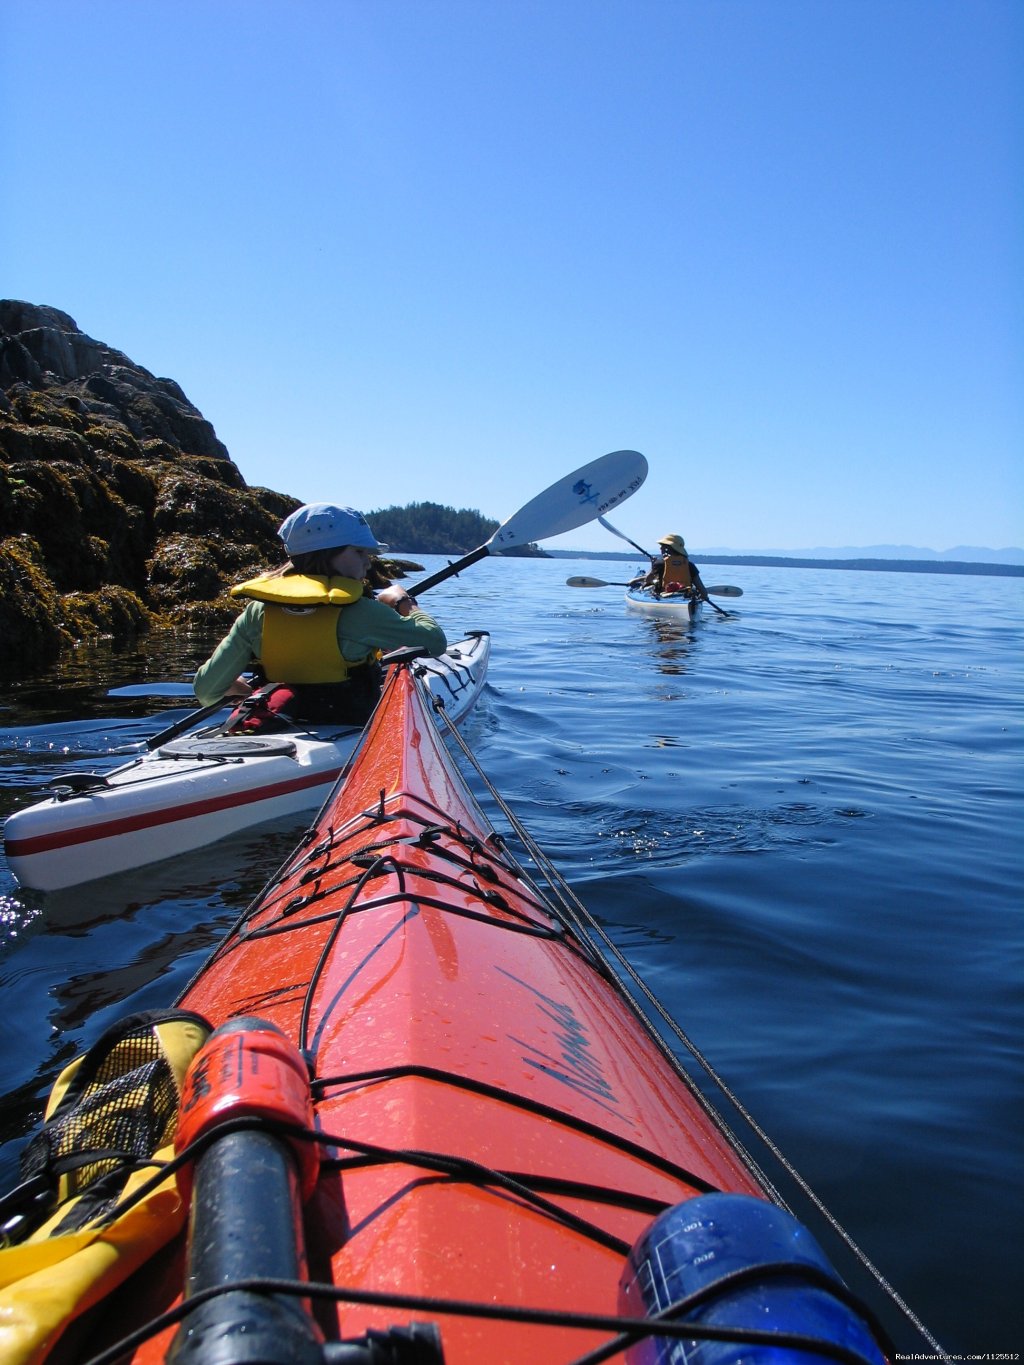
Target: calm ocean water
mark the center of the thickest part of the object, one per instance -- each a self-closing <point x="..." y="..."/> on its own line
<point x="802" y="824"/>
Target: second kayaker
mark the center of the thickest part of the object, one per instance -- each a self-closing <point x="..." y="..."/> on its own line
<point x="313" y="629"/>
<point x="674" y="572"/>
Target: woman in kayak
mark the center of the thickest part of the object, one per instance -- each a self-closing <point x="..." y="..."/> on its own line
<point x="674" y="572"/>
<point x="313" y="629"/>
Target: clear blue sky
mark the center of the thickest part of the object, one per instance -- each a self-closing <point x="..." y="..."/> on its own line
<point x="449" y="250"/>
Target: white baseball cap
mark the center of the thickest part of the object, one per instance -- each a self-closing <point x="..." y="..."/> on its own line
<point x="322" y="526"/>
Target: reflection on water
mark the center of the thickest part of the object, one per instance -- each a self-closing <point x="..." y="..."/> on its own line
<point x="78" y="683"/>
<point x="675" y="641"/>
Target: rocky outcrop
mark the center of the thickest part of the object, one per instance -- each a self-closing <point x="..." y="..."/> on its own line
<point x="120" y="510"/>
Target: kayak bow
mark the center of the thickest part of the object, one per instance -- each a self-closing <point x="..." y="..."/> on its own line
<point x="444" y="1010"/>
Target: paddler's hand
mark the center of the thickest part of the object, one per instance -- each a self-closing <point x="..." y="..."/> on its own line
<point x="397" y="598"/>
<point x="239" y="688"/>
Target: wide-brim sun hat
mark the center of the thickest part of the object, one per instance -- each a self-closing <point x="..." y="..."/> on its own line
<point x="323" y="526"/>
<point x="674" y="542"/>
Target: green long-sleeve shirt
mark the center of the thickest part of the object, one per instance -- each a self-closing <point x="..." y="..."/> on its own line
<point x="365" y="625"/>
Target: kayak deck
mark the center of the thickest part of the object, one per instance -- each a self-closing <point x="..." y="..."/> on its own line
<point x="201" y="788"/>
<point x="499" y="1126"/>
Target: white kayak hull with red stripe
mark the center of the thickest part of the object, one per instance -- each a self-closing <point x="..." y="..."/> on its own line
<point x="201" y="788"/>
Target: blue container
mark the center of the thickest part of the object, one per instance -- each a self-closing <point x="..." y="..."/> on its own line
<point x="695" y="1243"/>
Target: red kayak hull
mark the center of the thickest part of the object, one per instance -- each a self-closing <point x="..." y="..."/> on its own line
<point x="450" y="1018"/>
<point x="451" y="1014"/>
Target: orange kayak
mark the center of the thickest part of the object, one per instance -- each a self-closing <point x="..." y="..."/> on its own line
<point x="469" y="1124"/>
<point x="445" y="1011"/>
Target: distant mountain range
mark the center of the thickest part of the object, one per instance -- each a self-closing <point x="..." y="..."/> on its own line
<point x="962" y="554"/>
<point x="879" y="558"/>
<point x="847" y="554"/>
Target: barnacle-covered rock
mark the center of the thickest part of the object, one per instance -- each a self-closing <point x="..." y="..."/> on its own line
<point x="120" y="510"/>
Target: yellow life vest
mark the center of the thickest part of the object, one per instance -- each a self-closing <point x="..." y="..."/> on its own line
<point x="300" y="626"/>
<point x="675" y="574"/>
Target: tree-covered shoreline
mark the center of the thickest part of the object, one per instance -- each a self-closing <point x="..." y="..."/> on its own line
<point x="430" y="528"/>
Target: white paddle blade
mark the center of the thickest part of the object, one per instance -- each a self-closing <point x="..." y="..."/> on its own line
<point x="726" y="590"/>
<point x="578" y="498"/>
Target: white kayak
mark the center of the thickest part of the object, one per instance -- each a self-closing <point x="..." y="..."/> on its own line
<point x="202" y="787"/>
<point x="668" y="604"/>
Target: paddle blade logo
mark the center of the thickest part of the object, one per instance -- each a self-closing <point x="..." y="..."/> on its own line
<point x="582" y="490"/>
<point x="625" y="490"/>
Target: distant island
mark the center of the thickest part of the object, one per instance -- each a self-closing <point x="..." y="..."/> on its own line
<point x="428" y="528"/>
<point x="869" y="565"/>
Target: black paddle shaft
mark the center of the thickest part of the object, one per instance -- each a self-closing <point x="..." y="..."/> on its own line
<point x="246" y="1221"/>
<point x="450" y="570"/>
